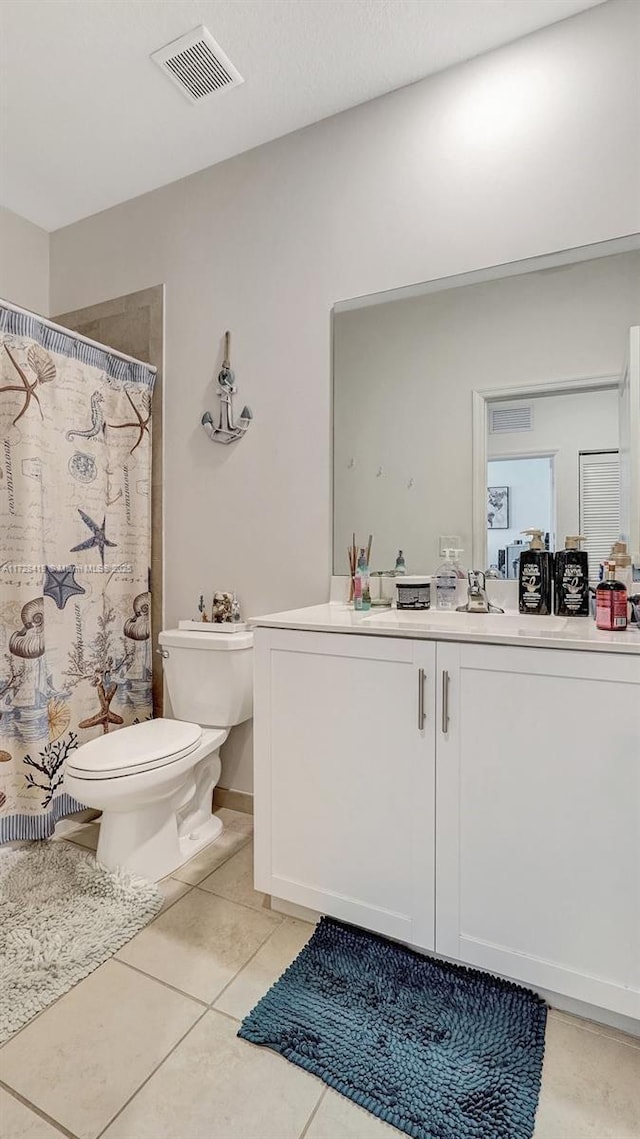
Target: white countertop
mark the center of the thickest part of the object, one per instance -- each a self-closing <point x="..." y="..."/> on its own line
<point x="500" y="629"/>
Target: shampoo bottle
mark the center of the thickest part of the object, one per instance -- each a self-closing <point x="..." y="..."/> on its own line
<point x="611" y="601"/>
<point x="571" y="595"/>
<point x="535" y="576"/>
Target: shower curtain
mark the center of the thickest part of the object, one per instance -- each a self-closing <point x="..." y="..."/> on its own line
<point x="75" y="538"/>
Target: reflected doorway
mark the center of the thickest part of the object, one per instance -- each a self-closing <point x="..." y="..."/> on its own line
<point x="520" y="496"/>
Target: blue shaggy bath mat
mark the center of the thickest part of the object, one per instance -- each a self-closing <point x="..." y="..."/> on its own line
<point x="437" y="1050"/>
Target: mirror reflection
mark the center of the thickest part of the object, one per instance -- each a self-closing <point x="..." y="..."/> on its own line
<point x="553" y="464"/>
<point x="468" y="411"/>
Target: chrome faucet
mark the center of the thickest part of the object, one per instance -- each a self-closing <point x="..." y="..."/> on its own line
<point x="477" y="600"/>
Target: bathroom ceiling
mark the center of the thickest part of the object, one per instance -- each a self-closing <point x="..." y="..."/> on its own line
<point x="87" y="120"/>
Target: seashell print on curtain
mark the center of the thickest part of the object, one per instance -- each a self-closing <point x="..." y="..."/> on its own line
<point x="75" y="547"/>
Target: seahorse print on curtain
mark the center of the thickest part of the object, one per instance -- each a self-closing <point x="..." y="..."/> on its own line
<point x="75" y="547"/>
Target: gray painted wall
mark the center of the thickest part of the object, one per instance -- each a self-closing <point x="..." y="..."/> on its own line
<point x="24" y="263"/>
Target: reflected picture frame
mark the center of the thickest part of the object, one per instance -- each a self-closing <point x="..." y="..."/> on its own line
<point x="497" y="507"/>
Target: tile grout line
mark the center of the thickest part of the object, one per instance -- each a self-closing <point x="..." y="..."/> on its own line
<point x="242" y="969"/>
<point x="205" y="1011"/>
<point x="163" y="909"/>
<point x="35" y="1110"/>
<point x="152" y="1073"/>
<point x="165" y="984"/>
<point x="226" y="1015"/>
<point x="245" y="905"/>
<point x="311" y="1118"/>
<point x="208" y="874"/>
<point x="181" y="992"/>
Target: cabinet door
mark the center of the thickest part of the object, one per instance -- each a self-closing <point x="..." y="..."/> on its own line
<point x="344" y="777"/>
<point x="538" y="834"/>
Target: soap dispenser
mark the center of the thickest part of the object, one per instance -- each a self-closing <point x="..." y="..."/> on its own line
<point x="571" y="595"/>
<point x="535" y="576"/>
<point x="447" y="582"/>
<point x="401" y="565"/>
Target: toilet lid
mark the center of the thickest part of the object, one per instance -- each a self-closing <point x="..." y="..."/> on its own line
<point x="140" y="747"/>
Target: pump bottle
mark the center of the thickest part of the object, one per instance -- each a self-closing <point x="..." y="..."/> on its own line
<point x="535" y="576"/>
<point x="571" y="593"/>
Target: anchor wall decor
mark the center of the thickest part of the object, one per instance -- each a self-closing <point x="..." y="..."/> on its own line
<point x="227" y="430"/>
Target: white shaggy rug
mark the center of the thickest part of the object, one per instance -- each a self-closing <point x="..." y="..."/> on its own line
<point x="61" y="915"/>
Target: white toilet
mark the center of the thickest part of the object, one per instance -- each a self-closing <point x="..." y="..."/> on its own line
<point x="154" y="781"/>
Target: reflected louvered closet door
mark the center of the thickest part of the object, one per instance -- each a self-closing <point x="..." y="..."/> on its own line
<point x="599" y="504"/>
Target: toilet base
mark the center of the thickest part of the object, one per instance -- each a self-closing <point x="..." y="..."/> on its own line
<point x="147" y="842"/>
<point x="192" y="843"/>
<point x="153" y="838"/>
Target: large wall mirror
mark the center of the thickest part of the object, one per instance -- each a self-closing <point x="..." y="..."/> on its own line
<point x="469" y="409"/>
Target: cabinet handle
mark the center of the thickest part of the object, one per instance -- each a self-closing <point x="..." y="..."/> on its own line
<point x="421" y="712"/>
<point x="445" y="702"/>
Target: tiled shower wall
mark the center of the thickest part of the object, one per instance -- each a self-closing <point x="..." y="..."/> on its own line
<point x="134" y="324"/>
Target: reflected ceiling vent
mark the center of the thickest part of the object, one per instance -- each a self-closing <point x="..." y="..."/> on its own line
<point x="518" y="417"/>
<point x="197" y="65"/>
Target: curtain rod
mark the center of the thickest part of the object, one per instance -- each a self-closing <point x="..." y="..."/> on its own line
<point x="78" y="335"/>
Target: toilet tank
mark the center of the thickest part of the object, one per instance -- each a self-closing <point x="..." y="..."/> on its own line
<point x="209" y="676"/>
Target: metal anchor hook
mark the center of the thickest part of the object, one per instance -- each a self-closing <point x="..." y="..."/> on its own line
<point x="227" y="430"/>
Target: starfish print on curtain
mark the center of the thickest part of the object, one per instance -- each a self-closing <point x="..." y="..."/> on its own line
<point x="98" y="538"/>
<point x="141" y="421"/>
<point x="44" y="369"/>
<point x="60" y="585"/>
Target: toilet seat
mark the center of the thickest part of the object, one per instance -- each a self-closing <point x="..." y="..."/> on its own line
<point x="138" y="748"/>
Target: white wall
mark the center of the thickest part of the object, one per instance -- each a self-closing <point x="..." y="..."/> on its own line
<point x="24" y="263"/>
<point x="528" y="149"/>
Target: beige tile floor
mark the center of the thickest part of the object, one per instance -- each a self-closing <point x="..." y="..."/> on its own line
<point x="146" y="1046"/>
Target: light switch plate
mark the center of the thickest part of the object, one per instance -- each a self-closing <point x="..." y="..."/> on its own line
<point x="448" y="542"/>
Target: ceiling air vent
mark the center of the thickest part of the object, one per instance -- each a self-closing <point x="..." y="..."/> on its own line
<point x="519" y="417"/>
<point x="197" y="65"/>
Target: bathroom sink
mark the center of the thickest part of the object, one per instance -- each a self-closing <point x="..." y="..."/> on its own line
<point x="450" y="620"/>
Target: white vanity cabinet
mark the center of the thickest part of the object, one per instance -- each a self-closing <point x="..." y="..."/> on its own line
<point x="503" y="832"/>
<point x="344" y="777"/>
<point x="538" y="819"/>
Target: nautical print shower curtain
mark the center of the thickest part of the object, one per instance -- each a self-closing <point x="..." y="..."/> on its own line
<point x="75" y="536"/>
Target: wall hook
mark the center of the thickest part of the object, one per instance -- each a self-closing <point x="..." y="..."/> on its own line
<point x="227" y="430"/>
